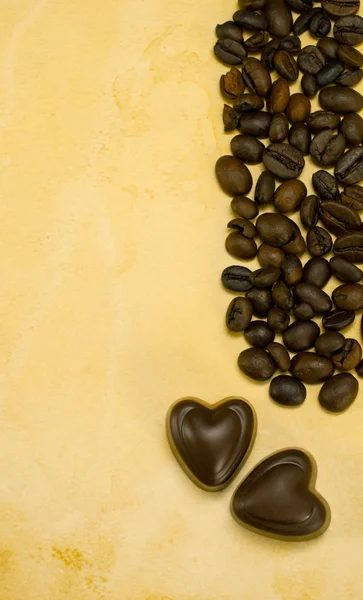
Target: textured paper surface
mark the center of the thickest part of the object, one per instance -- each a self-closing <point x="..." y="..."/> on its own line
<point x="112" y="236"/>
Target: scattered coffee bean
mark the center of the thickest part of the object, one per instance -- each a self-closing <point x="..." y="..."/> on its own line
<point x="229" y="30"/>
<point x="269" y="255"/>
<point x="239" y="246"/>
<point x="299" y="108"/>
<point x="300" y="138"/>
<point x="257" y="364"/>
<point x="265" y="188"/>
<point x="350" y="56"/>
<point x="340" y="100"/>
<point x="261" y="300"/>
<point x="329" y="342"/>
<point x="318" y="241"/>
<point x="348" y="357"/>
<point x="338" y="319"/>
<point x="341" y="8"/>
<point x="250" y="20"/>
<point x="237" y="278"/>
<point x="302" y="23"/>
<point x="259" y="334"/>
<point x="326" y="148"/>
<point x="300" y="6"/>
<point x="287" y="391"/>
<point x="297" y="243"/>
<point x="279" y="128"/>
<point x="349" y="30"/>
<point x="265" y="277"/>
<point x="278" y="319"/>
<point x="311" y="60"/>
<point x="310" y="293"/>
<point x="233" y="176"/>
<point x="274" y="229"/>
<point x="231" y="84"/>
<point x="283" y="160"/>
<point x="311" y="368"/>
<point x="239" y="314"/>
<point x="279" y="96"/>
<point x="243" y="226"/>
<point x="320" y="24"/>
<point x="317" y="270"/>
<point x="247" y="148"/>
<point x="268" y="53"/>
<point x="329" y="73"/>
<point x="337" y="394"/>
<point x="280" y="356"/>
<point x="325" y="185"/>
<point x="301" y="335"/>
<point x="289" y="196"/>
<point x="350" y="247"/>
<point x="291" y="43"/>
<point x="349" y="168"/>
<point x="282" y="296"/>
<point x="345" y="271"/>
<point x="291" y="270"/>
<point x="244" y="207"/>
<point x="352" y="129"/>
<point x="309" y="85"/>
<point x="350" y="77"/>
<point x="248" y="103"/>
<point x="255" y="123"/>
<point x="322" y="119"/>
<point x="230" y="118"/>
<point x="230" y="52"/>
<point x="279" y="18"/>
<point x="303" y="312"/>
<point x="348" y="296"/>
<point x="359" y="368"/>
<point x="329" y="47"/>
<point x="285" y="65"/>
<point x="338" y="218"/>
<point x="257" y="41"/>
<point x="353" y="196"/>
<point x="256" y="77"/>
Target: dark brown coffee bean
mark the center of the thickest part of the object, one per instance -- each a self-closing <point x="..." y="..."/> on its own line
<point x="283" y="160"/>
<point x="301" y="335"/>
<point x="279" y="128"/>
<point x="252" y="4"/>
<point x="350" y="247"/>
<point x="237" y="278"/>
<point x="302" y="23"/>
<point x="243" y="226"/>
<point x="297" y="243"/>
<point x="300" y="6"/>
<point x="340" y="100"/>
<point x="244" y="207"/>
<point x="318" y="241"/>
<point x="230" y="118"/>
<point x="338" y="218"/>
<point x="256" y="77"/>
<point x="337" y="394"/>
<point x="257" y="364"/>
<point x="257" y="41"/>
<point x="291" y="270"/>
<point x="329" y="47"/>
<point x="325" y="185"/>
<point x="345" y="271"/>
<point x="232" y="84"/>
<point x="265" y="188"/>
<point x="338" y="319"/>
<point x="291" y="43"/>
<point x="359" y="368"/>
<point x="350" y="56"/>
<point x="317" y="270"/>
<point x="311" y="294"/>
<point x="349" y="168"/>
<point x="261" y="300"/>
<point x="259" y="334"/>
<point x="321" y="119"/>
<point x="303" y="312"/>
<point x="309" y="212"/>
<point x="280" y="355"/>
<point x="239" y="314"/>
<point x="279" y="96"/>
<point x="309" y="85"/>
<point x="255" y="123"/>
<point x="233" y="176"/>
<point x="278" y="319"/>
<point x="310" y="60"/>
<point x="279" y="18"/>
<point x="349" y="30"/>
<point x="241" y="247"/>
<point x="353" y="196"/>
<point x="341" y="8"/>
<point x="326" y="148"/>
<point x="250" y="20"/>
<point x="230" y="52"/>
<point x="268" y="53"/>
<point x="311" y="368"/>
<point x="265" y="277"/>
<point x="274" y="229"/>
<point x="287" y="390"/>
<point x="329" y="342"/>
<point x="300" y="138"/>
<point x="247" y="148"/>
<point x="350" y="77"/>
<point x="352" y="129"/>
<point x="348" y="357"/>
<point x="289" y="196"/>
<point x="320" y="24"/>
<point x="269" y="255"/>
<point x="282" y="296"/>
<point x="229" y="30"/>
<point x="329" y="73"/>
<point x="348" y="296"/>
<point x="299" y="108"/>
<point x="285" y="65"/>
<point x="248" y="103"/>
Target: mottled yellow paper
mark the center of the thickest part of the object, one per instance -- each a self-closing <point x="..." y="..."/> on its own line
<point x="112" y="233"/>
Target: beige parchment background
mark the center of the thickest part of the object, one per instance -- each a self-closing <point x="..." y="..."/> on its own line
<point x="112" y="235"/>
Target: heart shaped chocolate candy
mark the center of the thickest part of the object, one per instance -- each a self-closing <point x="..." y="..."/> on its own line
<point x="278" y="498"/>
<point x="211" y="442"/>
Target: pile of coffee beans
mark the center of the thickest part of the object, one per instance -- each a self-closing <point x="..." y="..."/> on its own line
<point x="279" y="130"/>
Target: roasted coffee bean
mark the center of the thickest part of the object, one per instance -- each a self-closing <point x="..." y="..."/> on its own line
<point x="261" y="300"/>
<point x="329" y="342"/>
<point x="278" y="319"/>
<point x="350" y="56"/>
<point x="352" y="129"/>
<point x="301" y="335"/>
<point x="300" y="138"/>
<point x="230" y="118"/>
<point x="302" y="23"/>
<point x="248" y="103"/>
<point x="311" y="60"/>
<point x="320" y="24"/>
<point x="317" y="270"/>
<point x="338" y="218"/>
<point x="237" y="278"/>
<point x="309" y="85"/>
<point x="349" y="30"/>
<point x="265" y="188"/>
<point x="259" y="334"/>
<point x="337" y="394"/>
<point x="282" y="296"/>
<point x="247" y="148"/>
<point x="359" y="368"/>
<point x="268" y="53"/>
<point x="303" y="312"/>
<point x="287" y="391"/>
<point x="243" y="226"/>
<point x="250" y="20"/>
<point x="345" y="271"/>
<point x="285" y="65"/>
<point x="233" y="176"/>
<point x="342" y="8"/>
<point x="338" y="319"/>
<point x="311" y="294"/>
<point x="269" y="255"/>
<point x="311" y="368"/>
<point x="297" y="243"/>
<point x="326" y="148"/>
<point x="252" y="4"/>
<point x="232" y="84"/>
<point x="349" y="168"/>
<point x="353" y="196"/>
<point x="299" y="108"/>
<point x="265" y="277"/>
<point x="350" y="77"/>
<point x="300" y="6"/>
<point x="229" y="30"/>
<point x="325" y="185"/>
<point x="257" y="41"/>
<point x="348" y="357"/>
<point x="239" y="246"/>
<point x="256" y="77"/>
<point x="329" y="47"/>
<point x="279" y="128"/>
<point x="348" y="296"/>
<point x="230" y="52"/>
<point x="321" y="119"/>
<point x="289" y="196"/>
<point x="255" y="123"/>
<point x="280" y="355"/>
<point x="340" y="100"/>
<point x="279" y="18"/>
<point x="274" y="229"/>
<point x="329" y="73"/>
<point x="283" y="160"/>
<point x="279" y="96"/>
<point x="244" y="207"/>
<point x="239" y="314"/>
<point x="291" y="43"/>
<point x="291" y="270"/>
<point x="257" y="364"/>
<point x="318" y="241"/>
<point x="309" y="213"/>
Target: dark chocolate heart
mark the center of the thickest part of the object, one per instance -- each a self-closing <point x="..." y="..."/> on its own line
<point x="278" y="498"/>
<point x="211" y="442"/>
